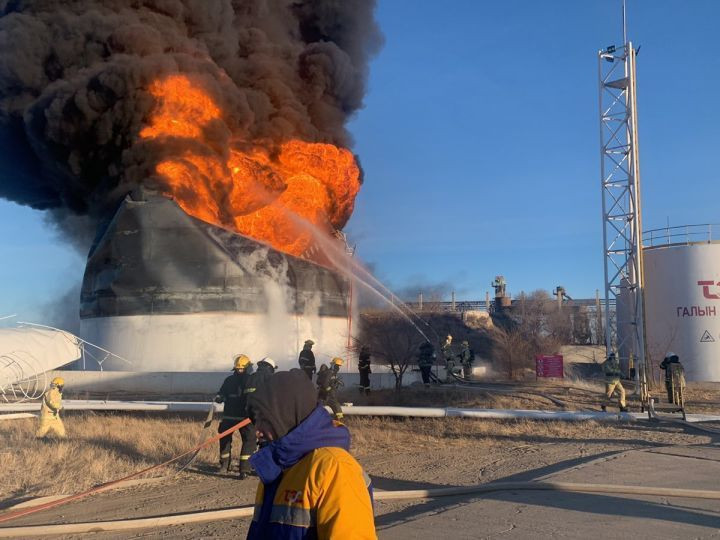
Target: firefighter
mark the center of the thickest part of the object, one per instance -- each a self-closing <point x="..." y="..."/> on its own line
<point x="674" y="375"/>
<point x="306" y="359"/>
<point x="310" y="485"/>
<point x="426" y="359"/>
<point x="364" y="369"/>
<point x="265" y="369"/>
<point x="611" y="368"/>
<point x="328" y="382"/>
<point x="466" y="358"/>
<point x="450" y="367"/>
<point x="233" y="393"/>
<point x="50" y="420"/>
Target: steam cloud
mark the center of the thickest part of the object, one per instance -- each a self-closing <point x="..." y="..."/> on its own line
<point x="74" y="79"/>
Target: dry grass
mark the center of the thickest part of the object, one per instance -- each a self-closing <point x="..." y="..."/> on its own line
<point x="470" y="398"/>
<point x="103" y="447"/>
<point x="388" y="434"/>
<point x="99" y="448"/>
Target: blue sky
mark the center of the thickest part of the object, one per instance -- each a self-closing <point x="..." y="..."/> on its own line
<point x="479" y="141"/>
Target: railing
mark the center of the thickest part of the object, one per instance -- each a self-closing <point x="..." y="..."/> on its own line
<point x="683" y="234"/>
<point x="479" y="305"/>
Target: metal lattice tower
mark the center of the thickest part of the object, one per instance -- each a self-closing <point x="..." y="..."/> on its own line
<point x="621" y="209"/>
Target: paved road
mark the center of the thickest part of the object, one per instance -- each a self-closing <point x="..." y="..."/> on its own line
<point x="526" y="515"/>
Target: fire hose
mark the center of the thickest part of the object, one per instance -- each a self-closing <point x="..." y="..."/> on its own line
<point x="102" y="487"/>
<point x="246" y="511"/>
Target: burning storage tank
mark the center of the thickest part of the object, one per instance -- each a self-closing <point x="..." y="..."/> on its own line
<point x="682" y="298"/>
<point x="234" y="114"/>
<point x="173" y="293"/>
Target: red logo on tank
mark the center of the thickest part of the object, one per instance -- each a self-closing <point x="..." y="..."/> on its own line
<point x="706" y="290"/>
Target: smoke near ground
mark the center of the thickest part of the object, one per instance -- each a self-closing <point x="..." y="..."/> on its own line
<point x="74" y="80"/>
<point x="63" y="312"/>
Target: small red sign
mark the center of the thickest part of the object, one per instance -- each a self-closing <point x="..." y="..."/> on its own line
<point x="549" y="366"/>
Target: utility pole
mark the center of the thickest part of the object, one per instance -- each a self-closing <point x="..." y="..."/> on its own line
<point x="598" y="318"/>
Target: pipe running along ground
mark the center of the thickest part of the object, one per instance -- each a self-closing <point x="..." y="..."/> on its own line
<point x="363" y="410"/>
<point x="247" y="511"/>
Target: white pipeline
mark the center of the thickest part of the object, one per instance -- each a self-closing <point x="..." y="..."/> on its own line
<point x="355" y="410"/>
<point x="246" y="511"/>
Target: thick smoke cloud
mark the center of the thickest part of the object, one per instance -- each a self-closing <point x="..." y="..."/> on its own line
<point x="74" y="79"/>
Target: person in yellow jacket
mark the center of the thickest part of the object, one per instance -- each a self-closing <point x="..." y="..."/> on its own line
<point x="50" y="420"/>
<point x="611" y="368"/>
<point x="310" y="485"/>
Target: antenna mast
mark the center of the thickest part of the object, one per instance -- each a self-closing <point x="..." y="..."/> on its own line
<point x="621" y="209"/>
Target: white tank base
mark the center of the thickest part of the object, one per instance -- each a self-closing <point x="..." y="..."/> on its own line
<point x="209" y="341"/>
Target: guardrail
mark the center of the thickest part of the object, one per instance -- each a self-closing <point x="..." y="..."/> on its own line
<point x="479" y="305"/>
<point x="683" y="234"/>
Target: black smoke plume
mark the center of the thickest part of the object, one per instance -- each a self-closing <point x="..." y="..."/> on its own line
<point x="74" y="79"/>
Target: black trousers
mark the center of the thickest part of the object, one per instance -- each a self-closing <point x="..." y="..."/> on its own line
<point x="249" y="443"/>
<point x="669" y="388"/>
<point x="308" y="372"/>
<point x="425" y="372"/>
<point x="365" y="380"/>
<point x="331" y="400"/>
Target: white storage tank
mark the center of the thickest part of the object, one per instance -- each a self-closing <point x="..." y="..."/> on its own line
<point x="682" y="298"/>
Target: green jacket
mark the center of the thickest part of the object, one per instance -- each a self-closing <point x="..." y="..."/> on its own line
<point x="611" y="368"/>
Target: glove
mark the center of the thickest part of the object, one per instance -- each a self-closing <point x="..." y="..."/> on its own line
<point x="219" y="399"/>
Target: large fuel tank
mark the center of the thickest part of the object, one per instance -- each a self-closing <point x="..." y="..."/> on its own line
<point x="170" y="292"/>
<point x="682" y="306"/>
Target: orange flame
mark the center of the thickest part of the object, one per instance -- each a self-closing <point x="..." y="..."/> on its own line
<point x="253" y="191"/>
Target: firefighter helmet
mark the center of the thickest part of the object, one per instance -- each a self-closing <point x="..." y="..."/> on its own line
<point x="309" y="342"/>
<point x="269" y="361"/>
<point x="57" y="381"/>
<point x="337" y="361"/>
<point x="241" y="361"/>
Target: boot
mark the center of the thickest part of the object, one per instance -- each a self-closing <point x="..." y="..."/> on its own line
<point x="623" y="409"/>
<point x="224" y="465"/>
<point x="245" y="470"/>
<point x="604" y="408"/>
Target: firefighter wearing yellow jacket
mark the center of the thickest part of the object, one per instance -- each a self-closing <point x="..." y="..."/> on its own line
<point x="50" y="421"/>
<point x="310" y="485"/>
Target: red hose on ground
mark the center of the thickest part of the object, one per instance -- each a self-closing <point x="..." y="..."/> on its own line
<point x="101" y="487"/>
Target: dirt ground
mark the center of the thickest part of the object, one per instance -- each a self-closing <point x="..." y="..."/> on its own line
<point x="397" y="453"/>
